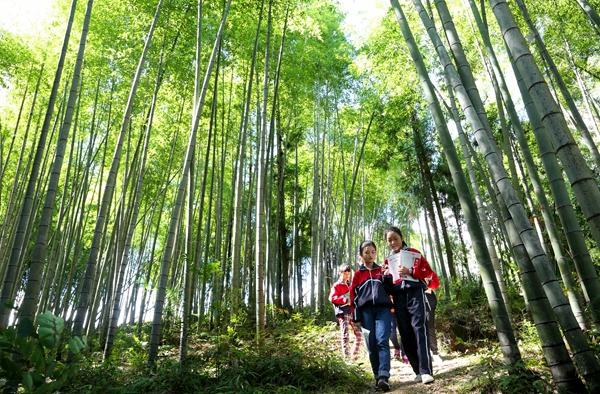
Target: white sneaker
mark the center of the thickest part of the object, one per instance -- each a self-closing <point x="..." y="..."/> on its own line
<point x="417" y="378"/>
<point x="426" y="379"/>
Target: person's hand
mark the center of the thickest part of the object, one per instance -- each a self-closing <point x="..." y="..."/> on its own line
<point x="405" y="271"/>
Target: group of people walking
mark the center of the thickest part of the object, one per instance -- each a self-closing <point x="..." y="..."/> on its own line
<point x="374" y="296"/>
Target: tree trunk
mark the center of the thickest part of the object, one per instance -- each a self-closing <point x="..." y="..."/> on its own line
<point x="580" y="176"/>
<point x="505" y="333"/>
<point x="6" y="235"/>
<point x="260" y="195"/>
<point x="239" y="180"/>
<point x="584" y="358"/>
<point x="428" y="190"/>
<point x="207" y="233"/>
<point x="3" y="163"/>
<point x="175" y="214"/>
<point x="544" y="207"/>
<point x="566" y="213"/>
<point x="38" y="257"/>
<point x="463" y="246"/>
<point x="296" y="241"/>
<point x="591" y="13"/>
<point x="284" y="262"/>
<point x="110" y="184"/>
<point x="129" y="230"/>
<point x="218" y="294"/>
<point x="27" y="207"/>
<point x="349" y="201"/>
<point x="577" y="119"/>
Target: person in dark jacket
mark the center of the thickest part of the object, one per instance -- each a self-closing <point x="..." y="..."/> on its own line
<point x="433" y="283"/>
<point x="408" y="293"/>
<point x="371" y="305"/>
<point x="339" y="296"/>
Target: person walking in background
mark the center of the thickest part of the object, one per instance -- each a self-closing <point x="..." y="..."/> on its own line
<point x="398" y="351"/>
<point x="339" y="296"/>
<point x="371" y="306"/>
<point x="408" y="292"/>
<point x="433" y="283"/>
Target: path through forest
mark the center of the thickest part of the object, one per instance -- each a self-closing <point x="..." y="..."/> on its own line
<point x="450" y="376"/>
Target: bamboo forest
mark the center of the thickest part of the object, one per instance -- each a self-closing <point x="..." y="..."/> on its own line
<point x="299" y="196"/>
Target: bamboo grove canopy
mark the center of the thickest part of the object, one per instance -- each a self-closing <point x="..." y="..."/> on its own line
<point x="198" y="161"/>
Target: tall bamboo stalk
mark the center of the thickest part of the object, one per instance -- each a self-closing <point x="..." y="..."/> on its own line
<point x="175" y="213"/>
<point x="585" y="359"/>
<point x="506" y="336"/>
<point x="27" y="207"/>
<point x="38" y="257"/>
<point x="107" y="195"/>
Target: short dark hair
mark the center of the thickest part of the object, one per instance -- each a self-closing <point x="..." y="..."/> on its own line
<point x="364" y="244"/>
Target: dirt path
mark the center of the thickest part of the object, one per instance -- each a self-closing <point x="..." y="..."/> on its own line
<point x="450" y="376"/>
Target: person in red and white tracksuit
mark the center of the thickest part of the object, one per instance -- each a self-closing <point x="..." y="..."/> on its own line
<point x="371" y="305"/>
<point x="339" y="296"/>
<point x="408" y="293"/>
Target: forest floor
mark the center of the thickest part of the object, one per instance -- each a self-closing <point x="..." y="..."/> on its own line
<point x="299" y="356"/>
<point x="451" y="376"/>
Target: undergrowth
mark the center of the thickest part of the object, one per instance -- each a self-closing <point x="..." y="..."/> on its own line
<point x="496" y="377"/>
<point x="464" y="321"/>
<point x="298" y="355"/>
<point x="466" y="326"/>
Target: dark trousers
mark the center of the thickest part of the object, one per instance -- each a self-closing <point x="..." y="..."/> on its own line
<point x="394" y="335"/>
<point x="432" y="337"/>
<point x="411" y="316"/>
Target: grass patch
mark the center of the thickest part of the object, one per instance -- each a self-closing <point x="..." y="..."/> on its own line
<point x="493" y="376"/>
<point x="298" y="355"/>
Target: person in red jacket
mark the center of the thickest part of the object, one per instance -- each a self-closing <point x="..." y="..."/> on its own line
<point x="339" y="296"/>
<point x="371" y="304"/>
<point x="408" y="293"/>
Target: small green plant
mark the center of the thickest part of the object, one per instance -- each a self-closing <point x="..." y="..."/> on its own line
<point x="594" y="336"/>
<point x="530" y="342"/>
<point x="30" y="356"/>
<point x="497" y="377"/>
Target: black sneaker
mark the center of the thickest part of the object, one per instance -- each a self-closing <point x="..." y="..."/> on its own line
<point x="383" y="384"/>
